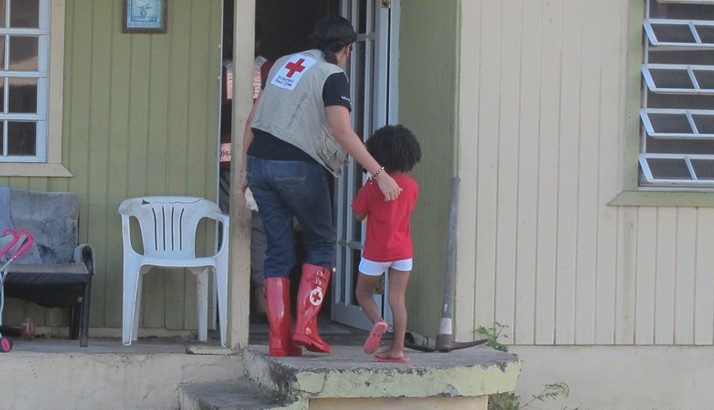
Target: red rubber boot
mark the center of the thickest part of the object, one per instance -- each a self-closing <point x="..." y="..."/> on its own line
<point x="313" y="286"/>
<point x="277" y="291"/>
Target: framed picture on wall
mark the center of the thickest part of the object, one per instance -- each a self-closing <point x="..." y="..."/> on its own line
<point x="144" y="16"/>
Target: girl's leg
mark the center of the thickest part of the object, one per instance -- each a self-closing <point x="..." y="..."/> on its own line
<point x="397" y="295"/>
<point x="365" y="292"/>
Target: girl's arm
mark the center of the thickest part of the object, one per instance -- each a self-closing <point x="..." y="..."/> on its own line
<point x="359" y="216"/>
<point x="338" y="118"/>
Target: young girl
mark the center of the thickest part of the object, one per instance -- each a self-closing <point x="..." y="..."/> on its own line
<point x="388" y="245"/>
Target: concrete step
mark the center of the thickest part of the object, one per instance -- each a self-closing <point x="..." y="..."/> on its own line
<point x="106" y="374"/>
<point x="233" y="395"/>
<point x="347" y="373"/>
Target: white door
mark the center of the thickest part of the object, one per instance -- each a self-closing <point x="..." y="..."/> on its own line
<point x="372" y="71"/>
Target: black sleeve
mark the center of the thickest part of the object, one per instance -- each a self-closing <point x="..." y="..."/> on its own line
<point x="336" y="91"/>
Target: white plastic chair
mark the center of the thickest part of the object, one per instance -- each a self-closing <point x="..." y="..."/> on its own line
<point x="168" y="231"/>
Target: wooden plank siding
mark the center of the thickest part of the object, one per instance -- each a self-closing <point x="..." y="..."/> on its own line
<point x="427" y="106"/>
<point x="542" y="131"/>
<point x="140" y="117"/>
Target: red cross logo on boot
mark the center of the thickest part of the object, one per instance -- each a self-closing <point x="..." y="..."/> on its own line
<point x="316" y="297"/>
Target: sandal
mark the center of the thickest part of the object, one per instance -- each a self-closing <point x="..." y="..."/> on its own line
<point x="375" y="336"/>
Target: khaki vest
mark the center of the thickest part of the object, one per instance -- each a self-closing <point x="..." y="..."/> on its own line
<point x="291" y="107"/>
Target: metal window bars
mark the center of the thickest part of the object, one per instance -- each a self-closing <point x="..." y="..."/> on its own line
<point x="679" y="79"/>
<point x="676" y="125"/>
<point x="679" y="33"/>
<point x="677" y="169"/>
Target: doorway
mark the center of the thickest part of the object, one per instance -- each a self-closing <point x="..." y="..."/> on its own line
<point x="283" y="27"/>
<point x="372" y="72"/>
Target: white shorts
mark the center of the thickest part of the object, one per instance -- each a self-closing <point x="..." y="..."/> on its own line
<point x="372" y="268"/>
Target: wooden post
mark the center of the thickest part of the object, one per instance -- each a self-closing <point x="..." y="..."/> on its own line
<point x="239" y="275"/>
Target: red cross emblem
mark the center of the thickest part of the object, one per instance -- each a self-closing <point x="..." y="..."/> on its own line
<point x="316" y="297"/>
<point x="295" y="67"/>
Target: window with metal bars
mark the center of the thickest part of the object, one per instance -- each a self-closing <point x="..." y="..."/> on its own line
<point x="677" y="114"/>
<point x="24" y="51"/>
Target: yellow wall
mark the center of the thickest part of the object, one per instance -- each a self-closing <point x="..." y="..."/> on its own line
<point x="140" y="117"/>
<point x="427" y="105"/>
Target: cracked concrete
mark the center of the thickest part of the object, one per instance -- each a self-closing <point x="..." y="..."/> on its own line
<point x="148" y="375"/>
<point x="58" y="375"/>
<point x="348" y="373"/>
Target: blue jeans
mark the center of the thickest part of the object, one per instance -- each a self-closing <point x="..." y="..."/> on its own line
<point x="283" y="189"/>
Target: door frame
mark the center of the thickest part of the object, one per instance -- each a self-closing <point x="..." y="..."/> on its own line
<point x="383" y="100"/>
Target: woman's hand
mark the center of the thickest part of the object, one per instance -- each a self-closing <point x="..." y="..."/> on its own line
<point x="388" y="186"/>
<point x="242" y="185"/>
<point x="338" y="118"/>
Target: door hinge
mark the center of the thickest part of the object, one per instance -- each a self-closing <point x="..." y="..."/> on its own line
<point x="387" y="4"/>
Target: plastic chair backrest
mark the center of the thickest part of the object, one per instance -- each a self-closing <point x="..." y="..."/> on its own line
<point x="168" y="223"/>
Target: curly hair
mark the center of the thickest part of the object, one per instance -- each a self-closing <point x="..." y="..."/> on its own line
<point x="395" y="148"/>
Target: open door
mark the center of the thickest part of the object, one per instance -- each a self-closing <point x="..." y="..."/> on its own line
<point x="372" y="72"/>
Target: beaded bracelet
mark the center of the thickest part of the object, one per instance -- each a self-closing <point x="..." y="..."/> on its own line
<point x="374" y="174"/>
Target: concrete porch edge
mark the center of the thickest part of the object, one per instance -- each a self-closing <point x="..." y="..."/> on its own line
<point x="348" y="373"/>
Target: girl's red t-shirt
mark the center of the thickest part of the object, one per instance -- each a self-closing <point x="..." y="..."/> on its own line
<point x="388" y="232"/>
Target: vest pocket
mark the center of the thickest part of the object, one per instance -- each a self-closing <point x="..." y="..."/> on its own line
<point x="331" y="153"/>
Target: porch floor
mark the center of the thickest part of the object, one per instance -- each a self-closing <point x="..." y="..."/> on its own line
<point x="158" y="373"/>
<point x="334" y="333"/>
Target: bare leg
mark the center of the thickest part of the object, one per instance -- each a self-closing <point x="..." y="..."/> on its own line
<point x="365" y="293"/>
<point x="397" y="295"/>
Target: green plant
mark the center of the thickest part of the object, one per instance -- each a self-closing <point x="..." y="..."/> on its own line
<point x="492" y="334"/>
<point x="511" y="401"/>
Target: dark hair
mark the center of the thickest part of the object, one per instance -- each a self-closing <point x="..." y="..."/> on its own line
<point x="331" y="34"/>
<point x="395" y="148"/>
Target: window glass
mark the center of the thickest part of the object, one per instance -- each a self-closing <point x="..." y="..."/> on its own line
<point x="669" y="168"/>
<point x="23" y="53"/>
<point x="23" y="95"/>
<point x="677" y="146"/>
<point x="24" y="36"/>
<point x="704" y="169"/>
<point x="3" y="13"/>
<point x="25" y="13"/>
<point x="21" y="138"/>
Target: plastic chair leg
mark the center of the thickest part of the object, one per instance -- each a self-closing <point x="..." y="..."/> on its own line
<point x="222" y="282"/>
<point x="130" y="290"/>
<point x="202" y="302"/>
<point x="137" y="310"/>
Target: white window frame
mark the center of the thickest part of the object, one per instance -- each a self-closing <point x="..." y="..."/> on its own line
<point x="51" y="146"/>
<point x="690" y="70"/>
<point x="691" y="24"/>
<point x="646" y="115"/>
<point x="650" y="86"/>
<point x="686" y="158"/>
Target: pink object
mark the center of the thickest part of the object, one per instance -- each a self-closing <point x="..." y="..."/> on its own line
<point x="381" y="357"/>
<point x="313" y="287"/>
<point x="375" y="336"/>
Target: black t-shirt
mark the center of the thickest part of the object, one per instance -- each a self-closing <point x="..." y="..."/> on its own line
<point x="336" y="91"/>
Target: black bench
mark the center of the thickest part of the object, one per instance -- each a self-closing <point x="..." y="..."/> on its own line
<point x="63" y="276"/>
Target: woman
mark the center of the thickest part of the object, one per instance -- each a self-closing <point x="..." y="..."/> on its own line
<point x="298" y="130"/>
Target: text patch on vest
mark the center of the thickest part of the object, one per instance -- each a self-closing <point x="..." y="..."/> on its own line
<point x="289" y="75"/>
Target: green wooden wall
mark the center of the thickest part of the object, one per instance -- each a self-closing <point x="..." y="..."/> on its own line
<point x="140" y="117"/>
<point x="428" y="63"/>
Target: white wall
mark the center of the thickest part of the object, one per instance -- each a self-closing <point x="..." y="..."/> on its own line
<point x="621" y="377"/>
<point x="542" y="134"/>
